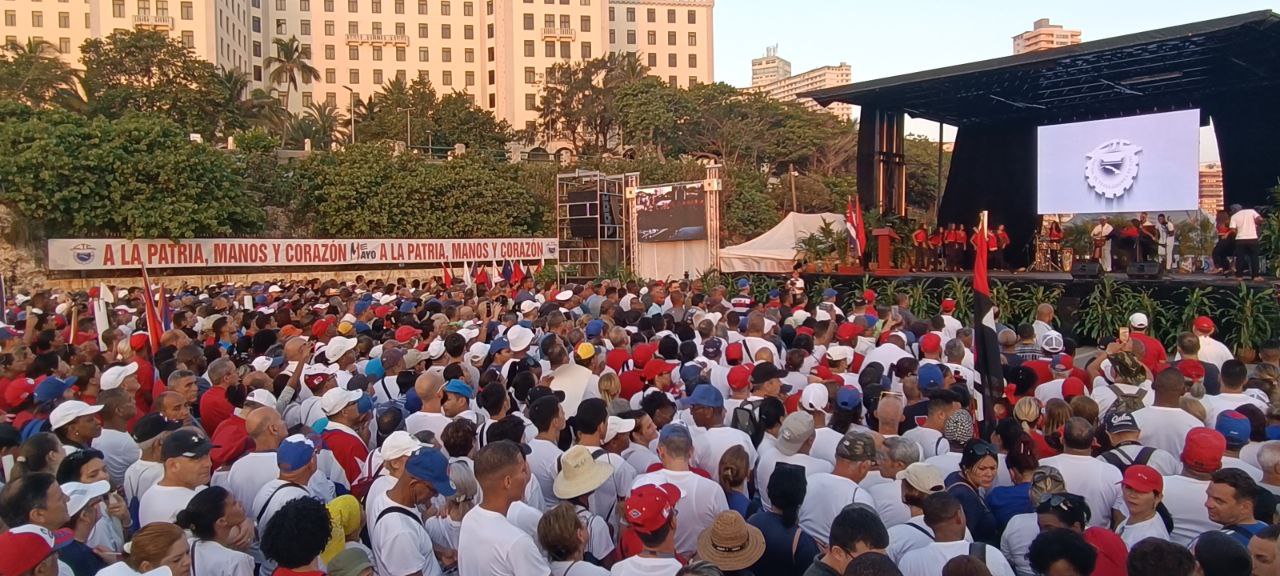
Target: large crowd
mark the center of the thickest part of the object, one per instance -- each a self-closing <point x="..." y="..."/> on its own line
<point x="407" y="428"/>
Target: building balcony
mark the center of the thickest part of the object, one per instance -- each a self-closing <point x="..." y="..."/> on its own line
<point x="565" y="34"/>
<point x="378" y="39"/>
<point x="152" y="21"/>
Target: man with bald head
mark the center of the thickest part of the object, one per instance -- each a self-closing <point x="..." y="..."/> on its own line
<point x="428" y="386"/>
<point x="175" y="338"/>
<point x="1044" y="319"/>
<point x="248" y="474"/>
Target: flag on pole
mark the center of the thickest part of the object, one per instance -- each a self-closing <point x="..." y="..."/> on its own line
<point x="507" y="271"/>
<point x="166" y="317"/>
<point x="986" y="350"/>
<point x="154" y="328"/>
<point x="481" y="276"/>
<point x="857" y="229"/>
<point x="448" y="276"/>
<point x="517" y="274"/>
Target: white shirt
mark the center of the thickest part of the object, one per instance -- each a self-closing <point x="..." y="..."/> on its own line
<point x="605" y="501"/>
<point x="825" y="497"/>
<point x="1097" y="481"/>
<point x="1041" y="327"/>
<point x="1245" y="224"/>
<point x="930" y="441"/>
<point x="162" y="503"/>
<point x="949" y="327"/>
<point x="1150" y="528"/>
<point x="1233" y="462"/>
<point x="1185" y="497"/>
<point x="252" y="471"/>
<point x="1228" y="401"/>
<point x="490" y="545"/>
<point x="140" y="477"/>
<point x="1214" y="352"/>
<point x="1016" y="541"/>
<point x="387" y="390"/>
<point x="571" y="379"/>
<point x="401" y="544"/>
<point x="825" y="441"/>
<point x="770" y="459"/>
<point x="119" y="452"/>
<point x="433" y="421"/>
<point x="929" y="560"/>
<point x="640" y="457"/>
<point x="700" y="501"/>
<point x="1165" y="428"/>
<point x="269" y="501"/>
<point x="525" y="517"/>
<point x="710" y="444"/>
<point x="886" y="354"/>
<point x="580" y="568"/>
<point x="1050" y="390"/>
<point x="542" y="465"/>
<point x="644" y="566"/>
<point x="599" y="539"/>
<point x="889" y="506"/>
<point x="209" y="558"/>
<point x="1165" y="463"/>
<point x="1103" y="395"/>
<point x="753" y="344"/>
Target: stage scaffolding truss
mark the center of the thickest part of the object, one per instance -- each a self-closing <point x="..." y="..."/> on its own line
<point x="590" y="222"/>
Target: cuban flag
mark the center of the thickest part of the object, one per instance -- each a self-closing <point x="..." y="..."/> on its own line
<point x="517" y="274"/>
<point x="986" y="349"/>
<point x="853" y="223"/>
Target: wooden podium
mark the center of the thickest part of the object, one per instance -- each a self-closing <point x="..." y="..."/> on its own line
<point x="885" y="237"/>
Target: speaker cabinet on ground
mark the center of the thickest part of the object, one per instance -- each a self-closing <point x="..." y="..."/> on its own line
<point x="1086" y="269"/>
<point x="1143" y="271"/>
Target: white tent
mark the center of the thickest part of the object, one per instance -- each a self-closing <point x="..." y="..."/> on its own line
<point x="774" y="251"/>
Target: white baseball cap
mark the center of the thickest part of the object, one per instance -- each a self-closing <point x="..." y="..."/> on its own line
<point x="114" y="377"/>
<point x="274" y="288"/>
<point x="616" y="426"/>
<point x="435" y="349"/>
<point x="564" y="295"/>
<point x="519" y="337"/>
<point x="338" y="345"/>
<point x="840" y="353"/>
<point x="478" y="351"/>
<point x="398" y="445"/>
<point x="68" y="411"/>
<point x="1051" y="342"/>
<point x="1138" y="320"/>
<point x="261" y="396"/>
<point x="336" y="399"/>
<point x="469" y="333"/>
<point x="814" y="397"/>
<point x="528" y="306"/>
<point x="78" y="494"/>
<point x="386" y="299"/>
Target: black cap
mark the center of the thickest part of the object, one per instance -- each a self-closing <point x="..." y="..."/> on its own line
<point x="185" y="443"/>
<point x="152" y="425"/>
<point x="764" y="372"/>
<point x="543" y="392"/>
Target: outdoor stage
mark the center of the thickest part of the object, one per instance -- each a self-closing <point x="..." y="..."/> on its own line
<point x="1064" y="277"/>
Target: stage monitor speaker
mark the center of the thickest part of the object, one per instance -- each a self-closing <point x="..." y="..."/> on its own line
<point x="1086" y="270"/>
<point x="1143" y="271"/>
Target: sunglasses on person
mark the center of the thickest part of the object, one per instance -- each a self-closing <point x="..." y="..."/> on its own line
<point x="982" y="449"/>
<point x="1063" y="502"/>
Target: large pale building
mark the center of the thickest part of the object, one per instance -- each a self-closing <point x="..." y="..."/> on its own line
<point x="772" y="76"/>
<point x="1044" y="36"/>
<point x="1211" y="197"/>
<point x="496" y="51"/>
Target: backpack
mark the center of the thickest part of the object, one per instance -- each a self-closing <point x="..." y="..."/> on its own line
<point x="746" y="418"/>
<point x="1126" y="403"/>
<point x="360" y="488"/>
<point x="1121" y="460"/>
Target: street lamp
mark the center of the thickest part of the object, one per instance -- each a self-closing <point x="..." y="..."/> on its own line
<point x="431" y="152"/>
<point x="408" y="129"/>
<point x="352" y="103"/>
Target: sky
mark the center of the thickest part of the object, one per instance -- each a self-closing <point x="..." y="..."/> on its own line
<point x="885" y="38"/>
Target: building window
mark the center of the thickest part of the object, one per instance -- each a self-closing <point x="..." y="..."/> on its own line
<point x="612" y="16"/>
<point x="144" y="7"/>
<point x="469" y="55"/>
<point x="257" y="24"/>
<point x="399" y="28"/>
<point x="304" y="5"/>
<point x="328" y="5"/>
<point x="445" y="9"/>
<point x="328" y="27"/>
<point x="528" y="21"/>
<point x="631" y="37"/>
<point x="651" y="15"/>
<point x="489" y="31"/>
<point x="400" y="53"/>
<point x="446" y="31"/>
<point x="529" y="48"/>
<point x="37" y="19"/>
<point x="328" y="52"/>
<point x="185" y="10"/>
<point x="188" y="39"/>
<point x="446" y="54"/>
<point x="64" y="19"/>
<point x="468" y="32"/>
<point x="652" y="37"/>
<point x="353" y="27"/>
<point x="424" y="55"/>
<point x="306" y="51"/>
<point x="530" y="102"/>
<point x="446" y="78"/>
<point x="671" y="38"/>
<point x="653" y="60"/>
<point x="422" y="6"/>
<point x="331" y="99"/>
<point x="377" y="28"/>
<point x="468" y="9"/>
<point x="304" y="27"/>
<point x="330" y="76"/>
<point x="586" y="50"/>
<point x="377" y="6"/>
<point x="613" y="36"/>
<point x="117" y="10"/>
<point x="586" y="24"/>
<point x="377" y="54"/>
<point x="631" y="14"/>
<point x="353" y="77"/>
<point x="492" y="78"/>
<point x="693" y="16"/>
<point x="282" y="26"/>
<point x="530" y="75"/>
<point x="693" y="81"/>
<point x="377" y="77"/>
<point x="671" y="16"/>
<point x="490" y="54"/>
<point x="564" y="50"/>
<point x="671" y="60"/>
<point x="550" y="51"/>
<point x="422" y="30"/>
<point x="257" y="49"/>
<point x="353" y="53"/>
<point x="353" y="6"/>
<point x="693" y="60"/>
<point x="64" y="45"/>
<point x="399" y="6"/>
<point x="564" y="20"/>
<point x="671" y="81"/>
<point x="257" y="73"/>
<point x="470" y="78"/>
<point x="306" y="98"/>
<point x="693" y="38"/>
<point x="549" y="20"/>
<point x="280" y="5"/>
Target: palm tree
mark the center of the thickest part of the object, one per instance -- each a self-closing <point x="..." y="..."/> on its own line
<point x="289" y="66"/>
<point x="624" y="68"/>
<point x="34" y="73"/>
<point x="322" y="123"/>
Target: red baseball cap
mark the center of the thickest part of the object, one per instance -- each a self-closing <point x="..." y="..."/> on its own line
<point x="651" y="506"/>
<point x="138" y="341"/>
<point x="382" y="311"/>
<point x="824" y="373"/>
<point x="407" y="333"/>
<point x="630" y="383"/>
<point x="655" y="367"/>
<point x="25" y="547"/>
<point x="948" y="305"/>
<point x="1072" y="387"/>
<point x="641" y="354"/>
<point x="847" y="332"/>
<point x="321" y="326"/>
<point x="870" y="296"/>
<point x="1203" y="450"/>
<point x="733" y="353"/>
<point x="616" y="359"/>
<point x="18" y="391"/>
<point x="930" y="343"/>
<point x="1203" y="324"/>
<point x="1143" y="478"/>
<point x="740" y="376"/>
<point x="804" y="330"/>
<point x="1191" y="369"/>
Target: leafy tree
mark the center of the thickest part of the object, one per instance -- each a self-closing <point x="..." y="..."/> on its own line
<point x="746" y="209"/>
<point x="322" y="123"/>
<point x="923" y="185"/>
<point x="437" y="121"/>
<point x="138" y="176"/>
<point x="654" y="114"/>
<point x="146" y="71"/>
<point x="289" y="66"/>
<point x="33" y="73"/>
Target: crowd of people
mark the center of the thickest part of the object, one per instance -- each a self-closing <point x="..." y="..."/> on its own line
<point x="406" y="428"/>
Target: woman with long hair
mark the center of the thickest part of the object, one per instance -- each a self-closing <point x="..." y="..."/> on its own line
<point x="160" y="544"/>
<point x="611" y="393"/>
<point x="211" y="516"/>
<point x="780" y="523"/>
<point x="444" y="530"/>
<point x="735" y="467"/>
<point x="1056" y="414"/>
<point x="42" y="452"/>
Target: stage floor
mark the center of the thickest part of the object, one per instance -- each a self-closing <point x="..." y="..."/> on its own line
<point x="1201" y="279"/>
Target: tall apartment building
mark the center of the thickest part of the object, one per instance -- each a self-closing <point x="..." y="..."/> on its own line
<point x="1044" y="36"/>
<point x="1211" y="197"/>
<point x="771" y="75"/>
<point x="496" y="51"/>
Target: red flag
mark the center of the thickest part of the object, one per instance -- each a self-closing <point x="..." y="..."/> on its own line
<point x="517" y="274"/>
<point x="448" y="276"/>
<point x="482" y="275"/>
<point x="154" y="327"/>
<point x="986" y="349"/>
<point x="854" y="225"/>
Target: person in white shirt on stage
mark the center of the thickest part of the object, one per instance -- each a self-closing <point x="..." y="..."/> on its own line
<point x="1101" y="235"/>
<point x="1167" y="237"/>
<point x="489" y="544"/>
<point x="1245" y="222"/>
<point x="945" y="517"/>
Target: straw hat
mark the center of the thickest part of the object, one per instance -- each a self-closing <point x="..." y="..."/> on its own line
<point x="731" y="543"/>
<point x="580" y="473"/>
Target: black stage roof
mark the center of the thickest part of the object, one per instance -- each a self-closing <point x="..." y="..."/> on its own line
<point x="1166" y="69"/>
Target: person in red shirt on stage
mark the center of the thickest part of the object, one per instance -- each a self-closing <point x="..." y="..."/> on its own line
<point x="954" y="247"/>
<point x="920" y="244"/>
<point x="340" y="436"/>
<point x="1055" y="235"/>
<point x="935" y="248"/>
<point x="1001" y="242"/>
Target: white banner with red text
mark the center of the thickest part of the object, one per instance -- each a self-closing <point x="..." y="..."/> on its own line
<point x="115" y="254"/>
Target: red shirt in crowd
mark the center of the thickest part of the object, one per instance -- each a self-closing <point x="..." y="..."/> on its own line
<point x="1153" y="354"/>
<point x="214" y="407"/>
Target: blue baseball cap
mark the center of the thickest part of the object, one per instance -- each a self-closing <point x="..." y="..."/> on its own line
<point x="407" y="306"/>
<point x="295" y="452"/>
<point x="1273" y="432"/>
<point x="499" y="344"/>
<point x="374" y="370"/>
<point x="459" y="387"/>
<point x="1234" y="426"/>
<point x="743" y="283"/>
<point x="260" y="299"/>
<point x="707" y="396"/>
<point x="930" y="377"/>
<point x="690" y="373"/>
<point x="364" y="404"/>
<point x="774" y="294"/>
<point x="361" y="306"/>
<point x="52" y="388"/>
<point x="431" y="466"/>
<point x="829" y="293"/>
<point x="594" y="328"/>
<point x="848" y="397"/>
